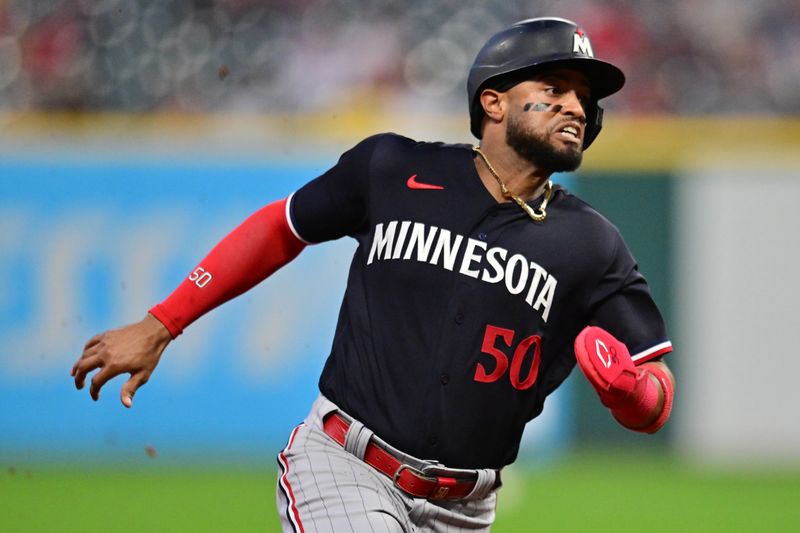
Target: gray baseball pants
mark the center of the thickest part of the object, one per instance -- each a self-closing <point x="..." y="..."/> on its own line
<point x="323" y="488"/>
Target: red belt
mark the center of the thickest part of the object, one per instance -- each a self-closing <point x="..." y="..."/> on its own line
<point x="408" y="479"/>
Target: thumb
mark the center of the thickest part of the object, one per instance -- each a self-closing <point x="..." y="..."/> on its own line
<point x="131" y="386"/>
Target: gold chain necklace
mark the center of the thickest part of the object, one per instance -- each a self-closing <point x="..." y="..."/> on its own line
<point x="536" y="215"/>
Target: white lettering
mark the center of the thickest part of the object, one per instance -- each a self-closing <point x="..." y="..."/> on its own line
<point x="495" y="264"/>
<point x="546" y="297"/>
<point x="537" y="277"/>
<point x="421" y="241"/>
<point x="379" y="242"/>
<point x="401" y="239"/>
<point x="516" y="259"/>
<point x="470" y="256"/>
<point x="449" y="248"/>
<point x="200" y="277"/>
<point x="582" y="45"/>
<point x="517" y="272"/>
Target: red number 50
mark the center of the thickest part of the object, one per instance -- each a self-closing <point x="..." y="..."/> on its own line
<point x="501" y="359"/>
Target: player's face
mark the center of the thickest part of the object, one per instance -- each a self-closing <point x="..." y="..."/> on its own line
<point x="547" y="119"/>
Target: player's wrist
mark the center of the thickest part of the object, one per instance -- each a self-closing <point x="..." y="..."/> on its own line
<point x="158" y="314"/>
<point x="156" y="330"/>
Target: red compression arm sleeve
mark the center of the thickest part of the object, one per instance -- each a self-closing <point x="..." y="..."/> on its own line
<point x="249" y="254"/>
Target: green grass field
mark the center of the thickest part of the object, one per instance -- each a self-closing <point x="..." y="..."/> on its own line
<point x="581" y="493"/>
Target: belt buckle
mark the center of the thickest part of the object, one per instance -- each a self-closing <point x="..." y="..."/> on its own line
<point x="443" y="478"/>
<point x="405" y="466"/>
<point x="420" y="474"/>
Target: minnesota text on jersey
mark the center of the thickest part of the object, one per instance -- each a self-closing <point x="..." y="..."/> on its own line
<point x="517" y="272"/>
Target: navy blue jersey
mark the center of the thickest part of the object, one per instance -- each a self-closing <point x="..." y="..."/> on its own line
<point x="460" y="312"/>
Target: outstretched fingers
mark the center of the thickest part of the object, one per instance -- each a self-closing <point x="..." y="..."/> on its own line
<point x="106" y="373"/>
<point x="86" y="360"/>
<point x="83" y="366"/>
<point x="134" y="349"/>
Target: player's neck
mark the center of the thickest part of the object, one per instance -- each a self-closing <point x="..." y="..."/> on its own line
<point x="520" y="176"/>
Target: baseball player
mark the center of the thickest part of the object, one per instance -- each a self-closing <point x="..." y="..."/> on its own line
<point x="476" y="286"/>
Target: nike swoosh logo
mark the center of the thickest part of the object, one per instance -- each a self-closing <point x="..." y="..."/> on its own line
<point x="414" y="184"/>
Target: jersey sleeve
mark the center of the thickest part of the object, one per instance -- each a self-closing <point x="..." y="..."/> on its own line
<point x="334" y="204"/>
<point x="622" y="305"/>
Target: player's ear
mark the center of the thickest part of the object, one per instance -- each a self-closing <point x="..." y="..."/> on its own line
<point x="494" y="104"/>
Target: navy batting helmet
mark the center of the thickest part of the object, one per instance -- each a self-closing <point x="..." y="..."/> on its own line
<point x="531" y="46"/>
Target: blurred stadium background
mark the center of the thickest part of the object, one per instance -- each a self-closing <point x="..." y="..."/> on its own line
<point x="135" y="134"/>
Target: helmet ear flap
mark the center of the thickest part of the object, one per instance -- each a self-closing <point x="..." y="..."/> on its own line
<point x="594" y="123"/>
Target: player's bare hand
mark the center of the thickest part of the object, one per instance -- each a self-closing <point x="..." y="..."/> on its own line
<point x="134" y="349"/>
